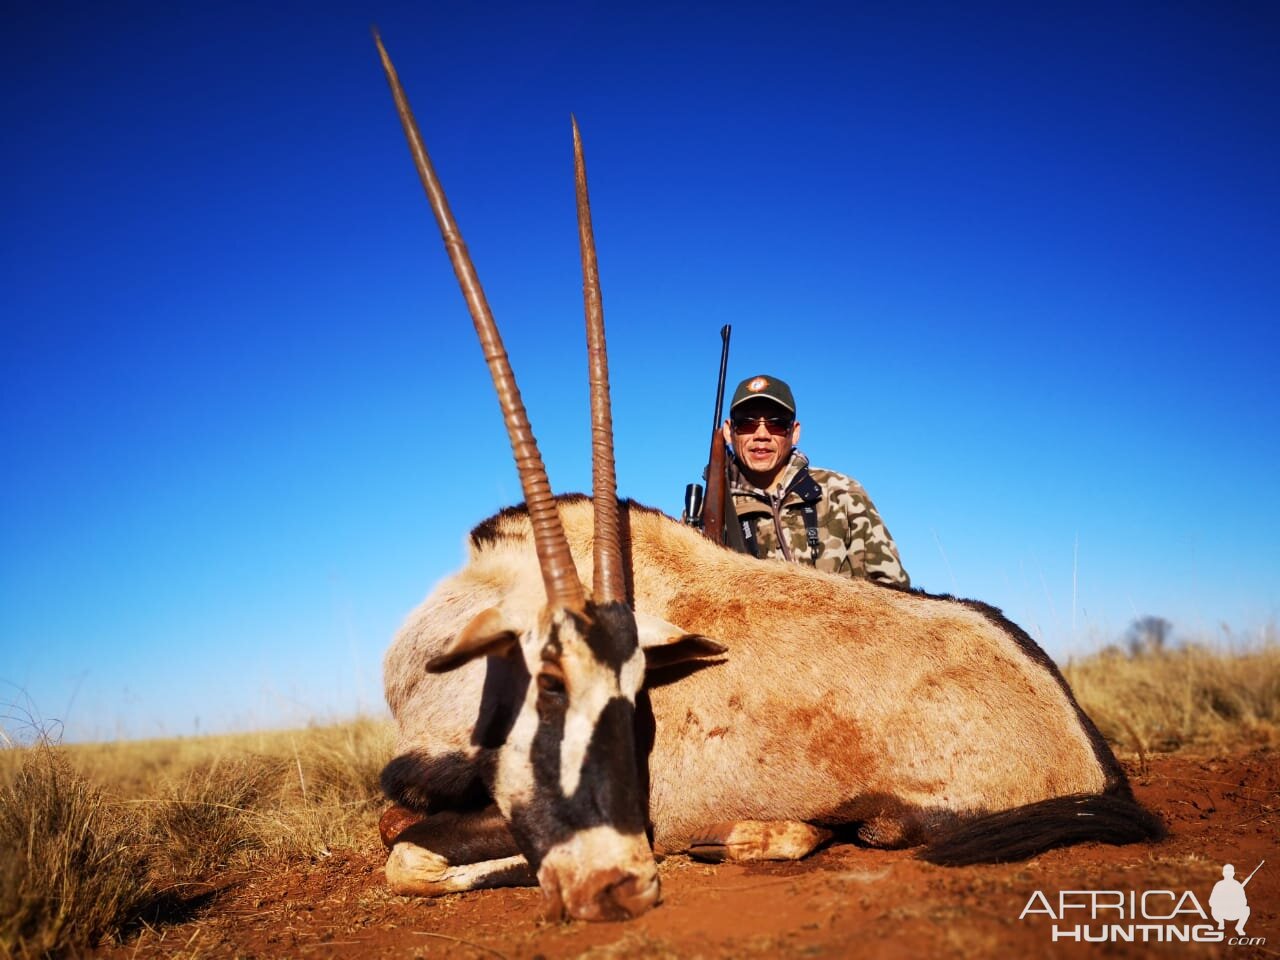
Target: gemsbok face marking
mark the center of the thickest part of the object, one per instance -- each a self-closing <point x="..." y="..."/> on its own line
<point x="564" y="773"/>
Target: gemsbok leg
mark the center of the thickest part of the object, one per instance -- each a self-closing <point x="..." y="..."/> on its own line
<point x="451" y="851"/>
<point x="744" y="840"/>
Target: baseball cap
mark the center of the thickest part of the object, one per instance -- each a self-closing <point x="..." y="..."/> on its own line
<point x="764" y="387"/>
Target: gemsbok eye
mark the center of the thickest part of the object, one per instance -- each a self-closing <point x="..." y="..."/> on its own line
<point x="551" y="683"/>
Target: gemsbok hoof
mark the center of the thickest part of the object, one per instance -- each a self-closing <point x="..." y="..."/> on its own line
<point x="744" y="840"/>
<point x="414" y="871"/>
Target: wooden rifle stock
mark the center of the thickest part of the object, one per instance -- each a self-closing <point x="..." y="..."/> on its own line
<point x="713" y="507"/>
<point x="713" y="510"/>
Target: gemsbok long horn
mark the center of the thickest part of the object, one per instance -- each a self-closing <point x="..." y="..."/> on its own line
<point x="609" y="584"/>
<point x="558" y="572"/>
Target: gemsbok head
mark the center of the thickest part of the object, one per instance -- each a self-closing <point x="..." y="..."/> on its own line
<point x="553" y="742"/>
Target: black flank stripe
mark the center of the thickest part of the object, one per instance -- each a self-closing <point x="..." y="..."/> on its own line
<point x="428" y="784"/>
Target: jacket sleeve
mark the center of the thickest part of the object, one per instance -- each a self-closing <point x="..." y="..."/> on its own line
<point x="869" y="536"/>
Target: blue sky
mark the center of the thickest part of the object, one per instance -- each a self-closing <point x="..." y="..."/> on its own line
<point x="1019" y="263"/>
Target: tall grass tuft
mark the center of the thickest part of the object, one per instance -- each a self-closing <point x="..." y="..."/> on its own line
<point x="95" y="837"/>
<point x="266" y="797"/>
<point x="210" y="818"/>
<point x="1190" y="697"/>
<point x="74" y="873"/>
<point x="333" y="798"/>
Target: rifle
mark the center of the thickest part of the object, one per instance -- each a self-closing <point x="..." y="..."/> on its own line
<point x="712" y="511"/>
<point x="1255" y="870"/>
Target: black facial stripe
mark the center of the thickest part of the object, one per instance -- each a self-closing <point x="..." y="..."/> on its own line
<point x="608" y="792"/>
<point x="611" y="634"/>
<point x="535" y="825"/>
<point x="609" y="784"/>
<point x="544" y="753"/>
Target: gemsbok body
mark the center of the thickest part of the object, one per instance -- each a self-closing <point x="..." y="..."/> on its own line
<point x="781" y="703"/>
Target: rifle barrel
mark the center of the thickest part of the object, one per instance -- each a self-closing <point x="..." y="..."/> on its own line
<point x="724" y="365"/>
<point x="713" y="507"/>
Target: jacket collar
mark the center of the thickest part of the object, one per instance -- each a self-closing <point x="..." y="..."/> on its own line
<point x="739" y="484"/>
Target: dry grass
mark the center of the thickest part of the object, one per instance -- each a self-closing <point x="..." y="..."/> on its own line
<point x="73" y="873"/>
<point x="103" y="837"/>
<point x="106" y="836"/>
<point x="1187" y="698"/>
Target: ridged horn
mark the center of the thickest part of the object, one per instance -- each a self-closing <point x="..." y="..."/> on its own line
<point x="558" y="572"/>
<point x="610" y="581"/>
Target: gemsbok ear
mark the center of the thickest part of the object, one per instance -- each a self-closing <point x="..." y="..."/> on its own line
<point x="489" y="634"/>
<point x="665" y="644"/>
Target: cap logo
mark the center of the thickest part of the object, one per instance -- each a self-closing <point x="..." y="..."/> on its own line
<point x="758" y="384"/>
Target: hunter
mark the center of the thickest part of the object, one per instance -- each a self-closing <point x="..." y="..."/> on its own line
<point x="786" y="509"/>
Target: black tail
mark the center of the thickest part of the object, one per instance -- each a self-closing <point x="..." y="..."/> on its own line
<point x="1026" y="831"/>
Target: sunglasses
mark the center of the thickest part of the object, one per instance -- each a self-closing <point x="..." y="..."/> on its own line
<point x="778" y="426"/>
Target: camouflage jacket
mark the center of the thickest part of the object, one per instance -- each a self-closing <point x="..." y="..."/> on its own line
<point x="852" y="539"/>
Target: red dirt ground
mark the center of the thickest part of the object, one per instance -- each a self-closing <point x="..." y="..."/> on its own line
<point x="841" y="902"/>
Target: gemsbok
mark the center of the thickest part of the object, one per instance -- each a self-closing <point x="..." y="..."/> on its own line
<point x="701" y="699"/>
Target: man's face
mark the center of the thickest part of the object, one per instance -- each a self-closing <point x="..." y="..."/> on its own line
<point x="762" y="434"/>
